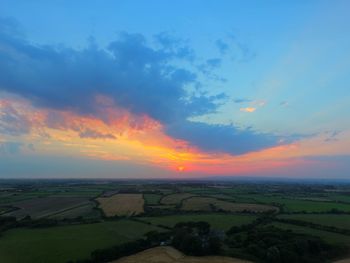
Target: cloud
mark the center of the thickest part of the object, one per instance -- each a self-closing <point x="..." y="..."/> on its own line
<point x="88" y="133"/>
<point x="284" y="103"/>
<point x="214" y="62"/>
<point x="13" y="122"/>
<point x="241" y="100"/>
<point x="248" y="109"/>
<point x="134" y="77"/>
<point x="222" y="46"/>
<point x="14" y="148"/>
<point x="223" y="138"/>
<point x="239" y="50"/>
<point x="331" y="136"/>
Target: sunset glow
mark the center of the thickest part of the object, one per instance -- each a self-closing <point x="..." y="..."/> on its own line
<point x="178" y="96"/>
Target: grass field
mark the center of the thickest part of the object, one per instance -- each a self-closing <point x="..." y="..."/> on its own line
<point x="174" y="199"/>
<point x="329" y="237"/>
<point x="210" y="204"/>
<point x="122" y="204"/>
<point x="152" y="199"/>
<point x="340" y="221"/>
<point x="46" y="206"/>
<point x="60" y="244"/>
<point x="217" y="221"/>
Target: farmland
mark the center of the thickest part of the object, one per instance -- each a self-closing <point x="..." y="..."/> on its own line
<point x="122" y="204"/>
<point x="52" y="221"/>
<point x="212" y="204"/>
<point x="41" y="207"/>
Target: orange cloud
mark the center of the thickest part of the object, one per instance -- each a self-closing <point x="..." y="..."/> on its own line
<point x="142" y="140"/>
<point x="248" y="109"/>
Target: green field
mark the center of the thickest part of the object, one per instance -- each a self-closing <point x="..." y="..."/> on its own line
<point x="340" y="221"/>
<point x="60" y="244"/>
<point x="217" y="221"/>
<point x="152" y="199"/>
<point x="330" y="237"/>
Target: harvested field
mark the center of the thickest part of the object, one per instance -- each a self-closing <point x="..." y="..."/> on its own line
<point x="174" y="199"/>
<point x="171" y="255"/>
<point x="122" y="204"/>
<point x="212" y="204"/>
<point x="46" y="206"/>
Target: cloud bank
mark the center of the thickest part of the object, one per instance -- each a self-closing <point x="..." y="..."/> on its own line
<point x="147" y="80"/>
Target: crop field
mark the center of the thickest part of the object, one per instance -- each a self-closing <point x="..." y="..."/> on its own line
<point x="334" y="220"/>
<point x="122" y="204"/>
<point x="152" y="199"/>
<point x="212" y="204"/>
<point x="174" y="199"/>
<point x="63" y="243"/>
<point x="217" y="221"/>
<point x="171" y="255"/>
<point x="45" y="206"/>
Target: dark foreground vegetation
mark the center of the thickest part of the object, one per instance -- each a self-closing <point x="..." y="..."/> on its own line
<point x="306" y="223"/>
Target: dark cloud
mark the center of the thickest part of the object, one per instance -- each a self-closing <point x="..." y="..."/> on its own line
<point x="136" y="76"/>
<point x="224" y="138"/>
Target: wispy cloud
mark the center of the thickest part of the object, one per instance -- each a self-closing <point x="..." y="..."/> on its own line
<point x="248" y="109"/>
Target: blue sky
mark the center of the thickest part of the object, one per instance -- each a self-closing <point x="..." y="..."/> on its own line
<point x="246" y="77"/>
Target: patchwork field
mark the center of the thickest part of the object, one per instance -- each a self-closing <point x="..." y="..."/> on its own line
<point x="174" y="199"/>
<point x="60" y="244"/>
<point x="46" y="206"/>
<point x="171" y="255"/>
<point x="217" y="221"/>
<point x="212" y="204"/>
<point x="122" y="204"/>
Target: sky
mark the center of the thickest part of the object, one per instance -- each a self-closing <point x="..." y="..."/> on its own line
<point x="174" y="89"/>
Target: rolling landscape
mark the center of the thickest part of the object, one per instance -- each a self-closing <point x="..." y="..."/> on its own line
<point x="178" y="131"/>
<point x="108" y="220"/>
